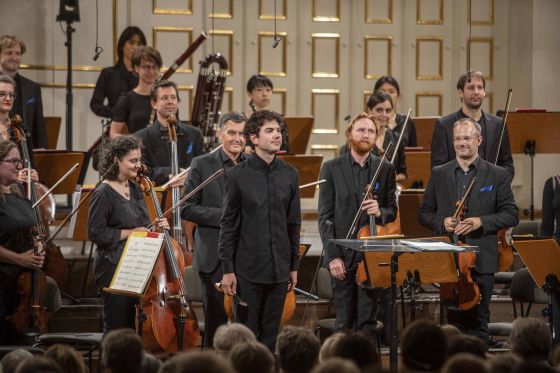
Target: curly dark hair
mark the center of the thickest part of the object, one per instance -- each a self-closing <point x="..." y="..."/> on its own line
<point x="118" y="147"/>
<point x="258" y="119"/>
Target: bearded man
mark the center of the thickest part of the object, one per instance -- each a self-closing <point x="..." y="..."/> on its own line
<point x="339" y="199"/>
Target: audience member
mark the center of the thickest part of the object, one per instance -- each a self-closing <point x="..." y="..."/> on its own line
<point x="13" y="359"/>
<point x="465" y="363"/>
<point x="228" y="335"/>
<point x="466" y="343"/>
<point x="39" y="364"/>
<point x="530" y="339"/>
<point x="252" y="357"/>
<point x="336" y="365"/>
<point x="450" y="330"/>
<point x="556" y="357"/>
<point x="298" y="350"/>
<point x="359" y="348"/>
<point x="329" y="346"/>
<point x="503" y="363"/>
<point x="533" y="366"/>
<point x="122" y="351"/>
<point x="196" y="362"/>
<point x="417" y="354"/>
<point x="150" y="364"/>
<point x="67" y="358"/>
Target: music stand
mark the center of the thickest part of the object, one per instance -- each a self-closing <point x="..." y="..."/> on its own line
<point x="299" y="132"/>
<point x="419" y="168"/>
<point x="542" y="258"/>
<point x="308" y="167"/>
<point x="395" y="249"/>
<point x="424" y="130"/>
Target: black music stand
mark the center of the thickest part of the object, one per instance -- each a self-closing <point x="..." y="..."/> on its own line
<point x="395" y="248"/>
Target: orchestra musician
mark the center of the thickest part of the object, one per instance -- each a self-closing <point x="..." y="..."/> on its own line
<point x="260" y="228"/>
<point x="471" y="89"/>
<point x="339" y="199"/>
<point x="550" y="224"/>
<point x="17" y="218"/>
<point x="165" y="101"/>
<point x="490" y="207"/>
<point x="205" y="210"/>
<point x="120" y="78"/>
<point x="116" y="209"/>
<point x="389" y="85"/>
<point x="28" y="103"/>
<point x="133" y="108"/>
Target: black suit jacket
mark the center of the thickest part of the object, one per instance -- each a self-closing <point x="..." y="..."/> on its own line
<point x="32" y="114"/>
<point x="205" y="209"/>
<point x="491" y="199"/>
<point x="338" y="203"/>
<point x="442" y="141"/>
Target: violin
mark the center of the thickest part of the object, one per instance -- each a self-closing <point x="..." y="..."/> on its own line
<point x="170" y="323"/>
<point x="463" y="294"/>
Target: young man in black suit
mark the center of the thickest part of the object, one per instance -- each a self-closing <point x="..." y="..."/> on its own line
<point x="490" y="207"/>
<point x="339" y="199"/>
<point x="471" y="89"/>
<point x="205" y="210"/>
<point x="260" y="229"/>
<point x="28" y="102"/>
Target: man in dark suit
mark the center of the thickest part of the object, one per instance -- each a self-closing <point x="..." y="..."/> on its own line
<point x="28" y="103"/>
<point x="490" y="207"/>
<point x="471" y="89"/>
<point x="260" y="228"/>
<point x="205" y="210"/>
<point x="339" y="199"/>
<point x="156" y="154"/>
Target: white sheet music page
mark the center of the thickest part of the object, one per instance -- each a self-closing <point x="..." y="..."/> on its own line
<point x="432" y="246"/>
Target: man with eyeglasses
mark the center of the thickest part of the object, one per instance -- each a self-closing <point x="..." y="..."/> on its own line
<point x="489" y="208"/>
<point x="471" y="89"/>
<point x="27" y="100"/>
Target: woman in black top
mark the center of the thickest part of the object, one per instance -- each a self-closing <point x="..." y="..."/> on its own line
<point x="116" y="209"/>
<point x="380" y="107"/>
<point x="389" y="85"/>
<point x="133" y="108"/>
<point x="118" y="79"/>
<point x="550" y="225"/>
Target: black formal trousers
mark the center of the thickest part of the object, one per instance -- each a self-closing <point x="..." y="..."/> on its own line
<point x="212" y="303"/>
<point x="118" y="310"/>
<point x="265" y="303"/>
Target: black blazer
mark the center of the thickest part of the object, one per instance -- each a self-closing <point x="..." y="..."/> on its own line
<point x="205" y="209"/>
<point x="442" y="141"/>
<point x="32" y="105"/>
<point x="338" y="203"/>
<point x="491" y="199"/>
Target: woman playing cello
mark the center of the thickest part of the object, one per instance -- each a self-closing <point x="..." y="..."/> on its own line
<point x="116" y="209"/>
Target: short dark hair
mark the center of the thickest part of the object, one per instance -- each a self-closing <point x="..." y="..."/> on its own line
<point x="358" y="347"/>
<point x="5" y="147"/>
<point x="234" y="116"/>
<point x="298" y="350"/>
<point x="377" y="98"/>
<point x="163" y="84"/>
<point x="465" y="363"/>
<point x="118" y="147"/>
<point x="257" y="120"/>
<point x="122" y="350"/>
<point x="257" y="81"/>
<point x="387" y="79"/>
<point x="252" y="357"/>
<point x="127" y="34"/>
<point x="67" y="358"/>
<point x="468" y="75"/>
<point x="466" y="343"/>
<point x="196" y="362"/>
<point x="419" y="355"/>
<point x="530" y="338"/>
<point x="147" y="53"/>
<point x="39" y="364"/>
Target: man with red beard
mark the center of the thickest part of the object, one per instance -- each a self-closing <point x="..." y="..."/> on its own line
<point x="339" y="199"/>
<point x="471" y="89"/>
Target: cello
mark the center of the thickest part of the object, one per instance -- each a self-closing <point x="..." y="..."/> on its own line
<point x="165" y="317"/>
<point x="463" y="294"/>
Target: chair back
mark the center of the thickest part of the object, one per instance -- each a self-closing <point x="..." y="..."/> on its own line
<point x="323" y="284"/>
<point x="524" y="289"/>
<point x="193" y="284"/>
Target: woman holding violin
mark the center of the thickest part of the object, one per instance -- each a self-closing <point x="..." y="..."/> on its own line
<point x="116" y="209"/>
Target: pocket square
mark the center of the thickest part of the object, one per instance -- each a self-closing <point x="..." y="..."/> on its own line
<point x="488" y="188"/>
<point x="377" y="186"/>
<point x="30" y="101"/>
<point x="189" y="148"/>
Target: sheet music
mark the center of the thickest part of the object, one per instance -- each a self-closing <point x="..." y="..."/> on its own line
<point x="432" y="246"/>
<point x="137" y="262"/>
<point x="75" y="200"/>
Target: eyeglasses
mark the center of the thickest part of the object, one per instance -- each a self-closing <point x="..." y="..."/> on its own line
<point x="11" y="95"/>
<point x="15" y="161"/>
<point x="149" y="68"/>
<point x="463" y="138"/>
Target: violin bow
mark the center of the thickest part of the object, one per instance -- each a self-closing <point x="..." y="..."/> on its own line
<point x="504" y="122"/>
<point x="401" y="136"/>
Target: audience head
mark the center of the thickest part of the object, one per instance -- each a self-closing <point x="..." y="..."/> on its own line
<point x="336" y="365"/>
<point x="464" y="363"/>
<point x="328" y="348"/>
<point x="503" y="363"/>
<point x="419" y="355"/>
<point x="229" y="335"/>
<point x="533" y="366"/>
<point x="13" y="359"/>
<point x="39" y="364"/>
<point x="196" y="362"/>
<point x="467" y="344"/>
<point x="530" y="339"/>
<point x="298" y="349"/>
<point x="450" y="330"/>
<point x="150" y="364"/>
<point x="252" y="357"/>
<point x="67" y="358"/>
<point x="122" y="351"/>
<point x="358" y="347"/>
